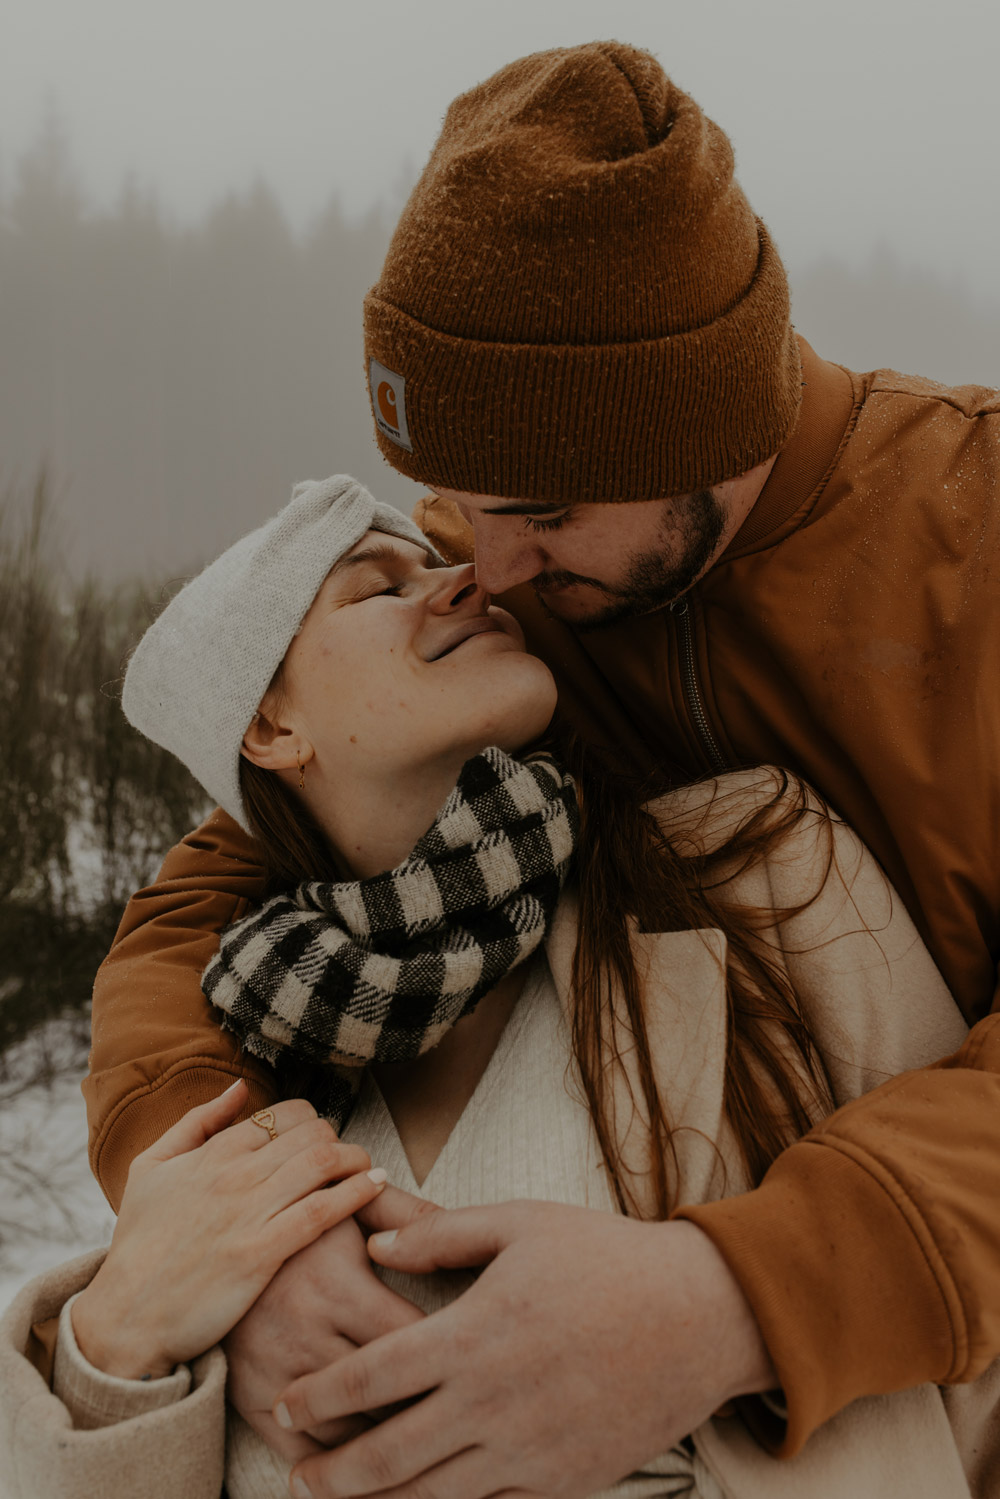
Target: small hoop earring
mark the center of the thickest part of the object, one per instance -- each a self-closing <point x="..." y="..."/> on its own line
<point x="302" y="776"/>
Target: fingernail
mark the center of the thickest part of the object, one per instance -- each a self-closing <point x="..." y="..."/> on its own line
<point x="282" y="1416"/>
<point x="231" y="1087"/>
<point x="383" y="1240"/>
<point x="377" y="1175"/>
<point x="301" y="1489"/>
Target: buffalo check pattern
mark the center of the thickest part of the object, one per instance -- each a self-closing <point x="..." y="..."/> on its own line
<point x="339" y="975"/>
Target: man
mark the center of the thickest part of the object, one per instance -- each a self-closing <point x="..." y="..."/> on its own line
<point x="728" y="551"/>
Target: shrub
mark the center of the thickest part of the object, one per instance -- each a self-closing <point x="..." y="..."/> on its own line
<point x="87" y="806"/>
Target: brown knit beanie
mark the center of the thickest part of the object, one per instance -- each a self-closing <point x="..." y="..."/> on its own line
<point x="578" y="302"/>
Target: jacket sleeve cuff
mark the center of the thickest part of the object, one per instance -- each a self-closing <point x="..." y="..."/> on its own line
<point x="149" y="1111"/>
<point x="848" y="1291"/>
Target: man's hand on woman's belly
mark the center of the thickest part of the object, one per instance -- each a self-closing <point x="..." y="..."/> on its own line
<point x="589" y="1344"/>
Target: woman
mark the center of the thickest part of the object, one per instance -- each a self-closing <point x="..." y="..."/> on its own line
<point x="709" y="992"/>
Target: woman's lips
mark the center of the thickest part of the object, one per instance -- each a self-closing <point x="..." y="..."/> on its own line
<point x="484" y="626"/>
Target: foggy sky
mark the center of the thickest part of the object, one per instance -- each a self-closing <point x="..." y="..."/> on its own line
<point x="174" y="385"/>
<point x="860" y="125"/>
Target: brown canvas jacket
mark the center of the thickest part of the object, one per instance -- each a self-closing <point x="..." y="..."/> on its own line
<point x="851" y="632"/>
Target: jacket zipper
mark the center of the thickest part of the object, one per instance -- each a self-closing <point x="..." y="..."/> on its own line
<point x="692" y="691"/>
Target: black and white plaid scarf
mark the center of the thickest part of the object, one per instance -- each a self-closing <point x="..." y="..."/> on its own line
<point x="377" y="970"/>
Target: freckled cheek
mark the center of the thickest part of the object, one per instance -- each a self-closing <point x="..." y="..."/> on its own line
<point x="385" y="711"/>
<point x="370" y="690"/>
<point x="373" y="718"/>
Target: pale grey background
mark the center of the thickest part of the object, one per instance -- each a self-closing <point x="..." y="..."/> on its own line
<point x="865" y="134"/>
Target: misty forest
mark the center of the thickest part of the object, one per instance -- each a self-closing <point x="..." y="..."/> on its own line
<point x="162" y="386"/>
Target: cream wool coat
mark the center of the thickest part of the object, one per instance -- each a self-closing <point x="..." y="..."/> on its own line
<point x="876" y="1005"/>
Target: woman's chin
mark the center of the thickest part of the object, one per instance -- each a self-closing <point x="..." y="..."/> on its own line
<point x="515" y="730"/>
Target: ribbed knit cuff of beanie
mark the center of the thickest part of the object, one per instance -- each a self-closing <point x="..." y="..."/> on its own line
<point x="578" y="302"/>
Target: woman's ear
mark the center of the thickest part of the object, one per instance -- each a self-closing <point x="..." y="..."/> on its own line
<point x="273" y="743"/>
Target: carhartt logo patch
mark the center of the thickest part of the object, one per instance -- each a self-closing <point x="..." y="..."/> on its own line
<point x="389" y="403"/>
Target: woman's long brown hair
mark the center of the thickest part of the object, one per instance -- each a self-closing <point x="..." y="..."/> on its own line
<point x="630" y="872"/>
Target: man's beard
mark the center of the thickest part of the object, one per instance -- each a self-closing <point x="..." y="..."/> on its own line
<point x="652" y="580"/>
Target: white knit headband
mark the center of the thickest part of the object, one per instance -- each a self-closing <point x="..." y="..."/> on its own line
<point x="198" y="674"/>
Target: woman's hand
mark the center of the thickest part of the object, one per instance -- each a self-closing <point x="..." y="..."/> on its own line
<point x="209" y="1215"/>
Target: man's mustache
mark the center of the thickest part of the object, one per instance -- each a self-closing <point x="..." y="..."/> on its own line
<point x="552" y="582"/>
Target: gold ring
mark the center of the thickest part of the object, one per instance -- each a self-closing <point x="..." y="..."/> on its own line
<point x="265" y="1118"/>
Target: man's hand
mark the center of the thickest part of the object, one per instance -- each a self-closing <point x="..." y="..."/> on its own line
<point x="323" y="1303"/>
<point x="589" y="1344"/>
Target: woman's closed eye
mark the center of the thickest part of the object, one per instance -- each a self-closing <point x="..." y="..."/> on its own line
<point x="379" y="570"/>
<point x="376" y="588"/>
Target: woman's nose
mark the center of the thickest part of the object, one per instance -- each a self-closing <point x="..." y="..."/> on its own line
<point x="453" y="586"/>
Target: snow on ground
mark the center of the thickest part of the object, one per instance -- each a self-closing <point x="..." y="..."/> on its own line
<point x="51" y="1209"/>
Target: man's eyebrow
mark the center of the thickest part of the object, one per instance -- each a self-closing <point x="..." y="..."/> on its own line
<point x="525" y="507"/>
